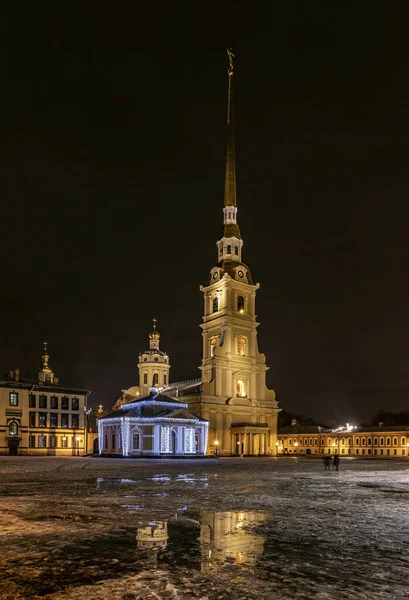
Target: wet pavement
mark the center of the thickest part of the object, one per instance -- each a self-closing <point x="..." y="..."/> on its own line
<point x="211" y="529"/>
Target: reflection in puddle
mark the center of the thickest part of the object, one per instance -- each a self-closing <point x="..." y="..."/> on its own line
<point x="207" y="540"/>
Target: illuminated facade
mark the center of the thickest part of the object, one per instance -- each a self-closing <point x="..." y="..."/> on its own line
<point x="40" y="417"/>
<point x="153" y="425"/>
<point x="377" y="441"/>
<point x="232" y="393"/>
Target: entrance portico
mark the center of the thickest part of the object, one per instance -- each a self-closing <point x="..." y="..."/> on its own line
<point x="250" y="438"/>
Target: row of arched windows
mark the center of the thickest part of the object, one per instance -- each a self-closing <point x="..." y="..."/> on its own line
<point x="228" y="250"/>
<point x="155" y="380"/>
<point x="240" y="304"/>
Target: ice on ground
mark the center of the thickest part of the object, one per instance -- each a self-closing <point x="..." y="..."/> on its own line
<point x="211" y="529"/>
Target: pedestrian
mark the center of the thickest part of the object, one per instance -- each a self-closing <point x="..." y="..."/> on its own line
<point x="327" y="462"/>
<point x="335" y="462"/>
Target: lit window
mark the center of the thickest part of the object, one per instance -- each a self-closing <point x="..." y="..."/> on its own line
<point x="74" y="421"/>
<point x="13" y="428"/>
<point x="13" y="399"/>
<point x="64" y="442"/>
<point x="240" y="304"/>
<point x="240" y="389"/>
<point x="64" y="421"/>
<point x="75" y="404"/>
<point x="215" y="304"/>
<point x="329" y="441"/>
<point x="42" y="419"/>
<point x="42" y="441"/>
<point x="53" y="420"/>
<point x="53" y="441"/>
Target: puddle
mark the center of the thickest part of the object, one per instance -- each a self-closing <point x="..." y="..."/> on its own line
<point x="203" y="542"/>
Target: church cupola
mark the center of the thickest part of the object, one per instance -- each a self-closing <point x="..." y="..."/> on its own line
<point x="153" y="365"/>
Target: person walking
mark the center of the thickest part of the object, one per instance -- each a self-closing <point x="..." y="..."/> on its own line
<point x="335" y="462"/>
<point x="327" y="462"/>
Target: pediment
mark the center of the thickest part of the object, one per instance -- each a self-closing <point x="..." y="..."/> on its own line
<point x="181" y="414"/>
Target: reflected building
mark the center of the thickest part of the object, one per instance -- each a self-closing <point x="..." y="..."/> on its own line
<point x="230" y="536"/>
<point x="224" y="537"/>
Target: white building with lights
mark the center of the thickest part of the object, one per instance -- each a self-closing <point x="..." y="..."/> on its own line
<point x="153" y="425"/>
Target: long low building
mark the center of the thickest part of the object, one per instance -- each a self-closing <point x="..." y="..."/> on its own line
<point x="380" y="440"/>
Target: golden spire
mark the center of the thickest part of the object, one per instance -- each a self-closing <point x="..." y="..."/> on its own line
<point x="230" y="180"/>
<point x="45" y="357"/>
<point x="155" y="335"/>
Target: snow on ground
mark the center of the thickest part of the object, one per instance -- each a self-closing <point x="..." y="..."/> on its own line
<point x="236" y="529"/>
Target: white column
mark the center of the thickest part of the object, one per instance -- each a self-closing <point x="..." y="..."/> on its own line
<point x="180" y="449"/>
<point x="156" y="439"/>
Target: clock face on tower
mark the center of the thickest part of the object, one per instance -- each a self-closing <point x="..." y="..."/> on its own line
<point x="240" y="274"/>
<point x="215" y="275"/>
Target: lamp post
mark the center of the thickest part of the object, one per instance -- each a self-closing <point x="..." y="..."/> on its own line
<point x="78" y="445"/>
<point x="296" y="446"/>
<point x="216" y="444"/>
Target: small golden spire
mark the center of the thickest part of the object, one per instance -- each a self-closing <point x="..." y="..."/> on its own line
<point x="45" y="357"/>
<point x="155" y="335"/>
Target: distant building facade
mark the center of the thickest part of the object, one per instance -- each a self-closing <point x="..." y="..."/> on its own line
<point x="40" y="416"/>
<point x="382" y="440"/>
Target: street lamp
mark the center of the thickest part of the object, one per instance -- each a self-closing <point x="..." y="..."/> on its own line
<point x="216" y="444"/>
<point x="78" y="445"/>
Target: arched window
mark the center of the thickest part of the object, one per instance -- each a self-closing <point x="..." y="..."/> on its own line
<point x="228" y="249"/>
<point x="329" y="441"/>
<point x="315" y="441"/>
<point x="241" y="389"/>
<point x="215" y="304"/>
<point x="241" y="345"/>
<point x="388" y="441"/>
<point x="363" y="442"/>
<point x="310" y="442"/>
<point x="357" y="441"/>
<point x="136" y="441"/>
<point x="155" y="379"/>
<point x="221" y="251"/>
<point x="164" y="380"/>
<point x="381" y="442"/>
<point x="236" y="250"/>
<point x="403" y="441"/>
<point x="13" y="428"/>
<point x="375" y="441"/>
<point x="240" y="304"/>
<point x="369" y="441"/>
<point x="145" y="378"/>
<point x="349" y="441"/>
<point x="342" y="441"/>
<point x="290" y="441"/>
<point x="395" y="441"/>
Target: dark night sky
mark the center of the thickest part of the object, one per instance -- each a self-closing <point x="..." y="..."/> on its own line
<point x="112" y="179"/>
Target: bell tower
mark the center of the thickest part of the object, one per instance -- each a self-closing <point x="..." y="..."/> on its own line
<point x="234" y="390"/>
<point x="153" y="365"/>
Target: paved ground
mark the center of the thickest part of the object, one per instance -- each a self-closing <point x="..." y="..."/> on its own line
<point x="230" y="528"/>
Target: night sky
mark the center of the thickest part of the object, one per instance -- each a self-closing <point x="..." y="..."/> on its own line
<point x="112" y="179"/>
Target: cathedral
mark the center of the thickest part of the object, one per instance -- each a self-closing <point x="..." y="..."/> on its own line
<point x="235" y="411"/>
